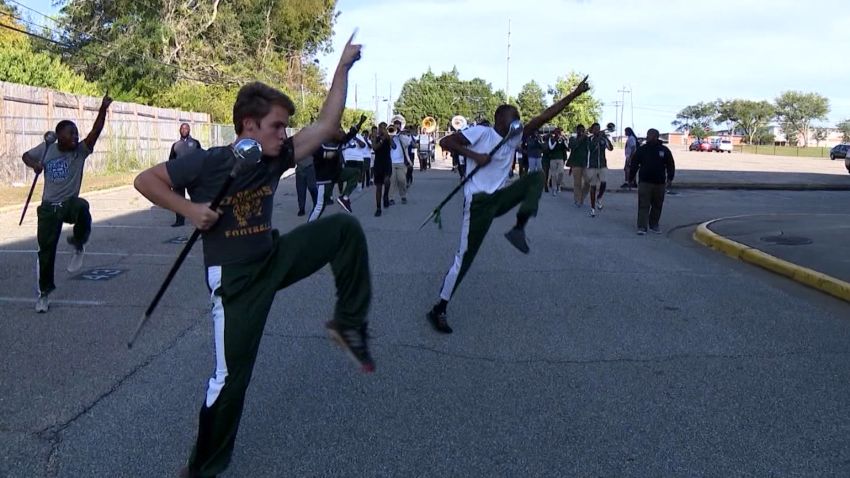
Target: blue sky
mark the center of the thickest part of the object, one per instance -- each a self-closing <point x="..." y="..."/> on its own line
<point x="670" y="53"/>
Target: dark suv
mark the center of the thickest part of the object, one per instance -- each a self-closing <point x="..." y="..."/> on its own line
<point x="839" y="151"/>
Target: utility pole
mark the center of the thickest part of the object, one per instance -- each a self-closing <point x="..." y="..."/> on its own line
<point x="623" y="102"/>
<point x="376" y="99"/>
<point x="355" y="96"/>
<point x="390" y="104"/>
<point x="617" y="105"/>
<point x="508" y="66"/>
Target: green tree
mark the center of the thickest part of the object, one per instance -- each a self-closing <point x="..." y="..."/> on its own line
<point x="698" y="117"/>
<point x="791" y="134"/>
<point x="586" y="109"/>
<point x="763" y="136"/>
<point x="844" y="127"/>
<point x="796" y="111"/>
<point x="445" y="95"/>
<point x="747" y="116"/>
<point x="531" y="100"/>
<point x="140" y="49"/>
<point x="20" y="63"/>
<point x="820" y="134"/>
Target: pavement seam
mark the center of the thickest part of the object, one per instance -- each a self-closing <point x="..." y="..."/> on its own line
<point x="809" y="277"/>
<point x="53" y="434"/>
<point x="601" y="361"/>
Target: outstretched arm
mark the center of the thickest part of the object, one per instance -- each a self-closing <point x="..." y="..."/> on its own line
<point x="458" y="144"/>
<point x="308" y="139"/>
<point x="552" y="111"/>
<point x="91" y="139"/>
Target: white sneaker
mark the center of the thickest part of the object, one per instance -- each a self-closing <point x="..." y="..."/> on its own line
<point x="76" y="260"/>
<point x="655" y="230"/>
<point x="42" y="304"/>
<point x="599" y="204"/>
<point x="592" y="212"/>
<point x="641" y="231"/>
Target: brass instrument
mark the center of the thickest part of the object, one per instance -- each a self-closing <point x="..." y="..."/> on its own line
<point x="459" y="123"/>
<point x="429" y="125"/>
<point x="392" y="130"/>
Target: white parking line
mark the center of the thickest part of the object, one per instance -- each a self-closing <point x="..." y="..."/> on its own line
<point x="111" y="254"/>
<point x="23" y="300"/>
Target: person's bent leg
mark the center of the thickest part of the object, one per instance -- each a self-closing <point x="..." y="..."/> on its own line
<point x="77" y="212"/>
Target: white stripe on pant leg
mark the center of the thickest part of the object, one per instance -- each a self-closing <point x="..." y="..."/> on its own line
<point x="451" y="276"/>
<point x="320" y="203"/>
<point x="216" y="382"/>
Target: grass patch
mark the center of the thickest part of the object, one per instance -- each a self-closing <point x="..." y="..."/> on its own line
<point x="10" y="195"/>
<point x="810" y="152"/>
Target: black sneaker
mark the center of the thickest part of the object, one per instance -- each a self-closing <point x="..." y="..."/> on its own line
<point x="377" y="213"/>
<point x="345" y="203"/>
<point x="391" y="203"/>
<point x="517" y="239"/>
<point x="439" y="322"/>
<point x="404" y="200"/>
<point x="301" y="212"/>
<point x="354" y="341"/>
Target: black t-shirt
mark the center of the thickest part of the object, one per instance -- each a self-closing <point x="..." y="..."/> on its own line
<point x="243" y="234"/>
<point x="383" y="161"/>
<point x="328" y="162"/>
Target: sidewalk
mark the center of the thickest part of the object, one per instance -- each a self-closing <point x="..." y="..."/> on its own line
<point x="811" y="248"/>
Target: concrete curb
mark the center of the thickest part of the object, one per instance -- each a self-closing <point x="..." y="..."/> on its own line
<point x="817" y="280"/>
<point x="98" y="192"/>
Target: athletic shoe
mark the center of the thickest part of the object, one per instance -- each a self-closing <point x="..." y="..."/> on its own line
<point x="76" y="262"/>
<point x="354" y="341"/>
<point x="42" y="304"/>
<point x="655" y="230"/>
<point x="345" y="203"/>
<point x="301" y="212"/>
<point x="599" y="204"/>
<point x="404" y="200"/>
<point x="517" y="239"/>
<point x="378" y="212"/>
<point x="641" y="231"/>
<point x="392" y="203"/>
<point x="439" y="322"/>
<point x="592" y="212"/>
<point x="624" y="186"/>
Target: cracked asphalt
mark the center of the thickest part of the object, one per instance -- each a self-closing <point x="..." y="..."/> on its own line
<point x="599" y="354"/>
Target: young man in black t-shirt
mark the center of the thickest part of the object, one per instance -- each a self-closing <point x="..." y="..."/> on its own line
<point x="247" y="261"/>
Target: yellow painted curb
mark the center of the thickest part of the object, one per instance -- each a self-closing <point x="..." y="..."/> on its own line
<point x="817" y="280"/>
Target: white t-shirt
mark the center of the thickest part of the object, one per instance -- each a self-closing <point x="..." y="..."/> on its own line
<point x="401" y="143"/>
<point x="492" y="177"/>
<point x="631" y="146"/>
<point x="353" y="151"/>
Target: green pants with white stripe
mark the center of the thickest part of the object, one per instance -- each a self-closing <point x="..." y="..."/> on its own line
<point x="242" y="296"/>
<point x="478" y="215"/>
<point x="51" y="216"/>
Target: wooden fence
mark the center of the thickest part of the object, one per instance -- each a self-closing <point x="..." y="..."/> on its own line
<point x="135" y="136"/>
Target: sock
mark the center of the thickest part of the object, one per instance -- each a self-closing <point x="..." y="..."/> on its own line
<point x="440" y="308"/>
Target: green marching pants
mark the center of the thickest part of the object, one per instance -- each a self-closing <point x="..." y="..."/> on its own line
<point x="349" y="176"/>
<point x="51" y="216"/>
<point x="478" y="214"/>
<point x="242" y="296"/>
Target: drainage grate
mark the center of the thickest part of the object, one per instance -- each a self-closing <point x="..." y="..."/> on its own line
<point x="787" y="240"/>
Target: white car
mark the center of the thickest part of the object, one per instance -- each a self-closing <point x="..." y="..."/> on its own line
<point x="721" y="145"/>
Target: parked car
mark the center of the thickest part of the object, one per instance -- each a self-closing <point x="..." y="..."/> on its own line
<point x="700" y="146"/>
<point x="721" y="146"/>
<point x="839" y="151"/>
